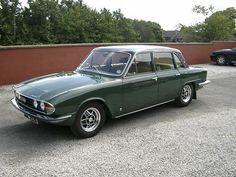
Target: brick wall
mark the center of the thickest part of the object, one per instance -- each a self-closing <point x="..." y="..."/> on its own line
<point x="18" y="63"/>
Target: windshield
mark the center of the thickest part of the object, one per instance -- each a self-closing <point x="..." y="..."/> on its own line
<point x="106" y="62"/>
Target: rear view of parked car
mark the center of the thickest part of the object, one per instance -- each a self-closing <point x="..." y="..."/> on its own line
<point x="111" y="82"/>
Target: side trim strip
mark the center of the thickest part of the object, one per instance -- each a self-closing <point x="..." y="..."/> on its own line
<point x="143" y="109"/>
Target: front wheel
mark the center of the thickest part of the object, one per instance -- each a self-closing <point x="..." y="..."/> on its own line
<point x="185" y="96"/>
<point x="89" y="121"/>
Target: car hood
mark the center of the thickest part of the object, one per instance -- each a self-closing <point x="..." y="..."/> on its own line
<point x="47" y="87"/>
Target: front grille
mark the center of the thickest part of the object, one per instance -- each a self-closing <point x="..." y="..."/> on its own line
<point x="28" y="102"/>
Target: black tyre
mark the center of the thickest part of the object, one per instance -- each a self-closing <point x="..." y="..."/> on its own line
<point x="221" y="60"/>
<point x="185" y="96"/>
<point x="90" y="120"/>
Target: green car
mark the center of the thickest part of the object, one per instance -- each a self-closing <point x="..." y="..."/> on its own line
<point x="111" y="82"/>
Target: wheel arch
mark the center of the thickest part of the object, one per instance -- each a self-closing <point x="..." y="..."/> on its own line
<point x="223" y="54"/>
<point x="100" y="101"/>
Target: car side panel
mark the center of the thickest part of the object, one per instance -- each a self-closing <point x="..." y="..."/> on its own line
<point x="192" y="75"/>
<point x="109" y="93"/>
<point x="169" y="85"/>
<point x="139" y="91"/>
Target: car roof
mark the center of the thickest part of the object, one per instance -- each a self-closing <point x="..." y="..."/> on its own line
<point x="136" y="48"/>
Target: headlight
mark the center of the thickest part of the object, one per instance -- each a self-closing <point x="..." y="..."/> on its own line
<point x="35" y="102"/>
<point x="42" y="106"/>
<point x="49" y="108"/>
<point x="20" y="97"/>
<point x="17" y="95"/>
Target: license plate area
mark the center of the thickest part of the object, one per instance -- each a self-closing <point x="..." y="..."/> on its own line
<point x="32" y="119"/>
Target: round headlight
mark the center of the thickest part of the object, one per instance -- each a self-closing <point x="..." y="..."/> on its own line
<point x="17" y="95"/>
<point x="42" y="106"/>
<point x="22" y="99"/>
<point x="35" y="103"/>
<point x="49" y="108"/>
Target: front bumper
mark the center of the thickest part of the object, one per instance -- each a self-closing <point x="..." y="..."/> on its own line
<point x="213" y="57"/>
<point x="39" y="117"/>
<point x="202" y="84"/>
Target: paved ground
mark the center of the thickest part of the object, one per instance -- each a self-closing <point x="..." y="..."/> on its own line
<point x="199" y="140"/>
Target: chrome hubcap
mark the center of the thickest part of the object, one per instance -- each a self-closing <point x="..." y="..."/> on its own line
<point x="186" y="93"/>
<point x="221" y="60"/>
<point x="90" y="119"/>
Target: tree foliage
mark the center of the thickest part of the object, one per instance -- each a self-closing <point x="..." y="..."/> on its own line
<point x="218" y="26"/>
<point x="199" y="9"/>
<point x="69" y="21"/>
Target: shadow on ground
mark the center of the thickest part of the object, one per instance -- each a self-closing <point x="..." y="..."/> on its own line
<point x="27" y="131"/>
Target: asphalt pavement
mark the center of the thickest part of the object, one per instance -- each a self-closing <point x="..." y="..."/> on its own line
<point x="198" y="140"/>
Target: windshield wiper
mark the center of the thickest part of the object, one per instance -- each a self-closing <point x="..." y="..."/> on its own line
<point x="91" y="67"/>
<point x="94" y="67"/>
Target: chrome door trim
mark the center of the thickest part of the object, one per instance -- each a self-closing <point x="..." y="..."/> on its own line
<point x="132" y="112"/>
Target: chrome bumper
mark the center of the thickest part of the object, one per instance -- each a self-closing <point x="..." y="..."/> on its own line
<point x="201" y="84"/>
<point x="39" y="116"/>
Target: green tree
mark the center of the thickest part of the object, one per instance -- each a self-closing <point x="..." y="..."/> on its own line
<point x="219" y="25"/>
<point x="11" y="24"/>
<point x="126" y="32"/>
<point x="69" y="21"/>
<point x="195" y="33"/>
<point x="38" y="18"/>
<point x="107" y="27"/>
<point x="203" y="10"/>
<point x="69" y="28"/>
<point x="148" y="31"/>
<point x="157" y="31"/>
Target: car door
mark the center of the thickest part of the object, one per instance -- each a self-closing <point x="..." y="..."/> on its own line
<point x="169" y="83"/>
<point x="140" y="84"/>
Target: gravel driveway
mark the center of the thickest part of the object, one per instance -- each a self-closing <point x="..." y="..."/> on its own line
<point x="198" y="140"/>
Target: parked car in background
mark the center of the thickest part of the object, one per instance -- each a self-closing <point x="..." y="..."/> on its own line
<point x="224" y="56"/>
<point x="111" y="82"/>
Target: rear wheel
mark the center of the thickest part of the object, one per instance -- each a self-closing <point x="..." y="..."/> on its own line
<point x="90" y="119"/>
<point x="185" y="96"/>
<point x="221" y="60"/>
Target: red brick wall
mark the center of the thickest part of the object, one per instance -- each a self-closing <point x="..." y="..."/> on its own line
<point x="194" y="53"/>
<point x="24" y="62"/>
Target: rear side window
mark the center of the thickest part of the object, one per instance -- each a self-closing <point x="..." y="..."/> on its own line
<point x="182" y="59"/>
<point x="163" y="61"/>
<point x="178" y="62"/>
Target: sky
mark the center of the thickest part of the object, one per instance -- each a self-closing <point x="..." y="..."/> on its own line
<point x="168" y="13"/>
